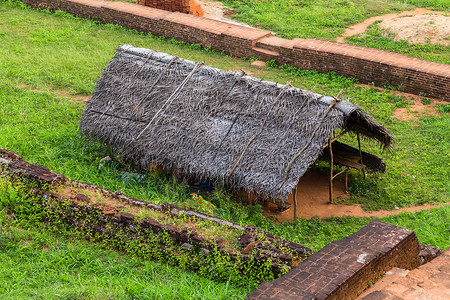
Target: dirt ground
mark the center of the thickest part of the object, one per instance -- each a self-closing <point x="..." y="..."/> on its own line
<point x="60" y="93"/>
<point x="418" y="109"/>
<point x="217" y="11"/>
<point x="417" y="26"/>
<point x="313" y="200"/>
<point x="213" y="9"/>
<point x="421" y="29"/>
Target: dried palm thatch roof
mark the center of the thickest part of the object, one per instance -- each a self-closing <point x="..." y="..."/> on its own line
<point x="210" y="124"/>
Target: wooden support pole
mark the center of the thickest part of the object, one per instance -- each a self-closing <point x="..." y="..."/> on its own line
<point x="331" y="171"/>
<point x="360" y="154"/>
<point x="295" y="203"/>
<point x="346" y="179"/>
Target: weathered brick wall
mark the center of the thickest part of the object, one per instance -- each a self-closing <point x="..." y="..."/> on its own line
<point x="78" y="211"/>
<point x="365" y="64"/>
<point x="345" y="268"/>
<point x="183" y="6"/>
<point x="373" y="65"/>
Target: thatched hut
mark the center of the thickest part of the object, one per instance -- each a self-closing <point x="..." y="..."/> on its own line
<point x="222" y="126"/>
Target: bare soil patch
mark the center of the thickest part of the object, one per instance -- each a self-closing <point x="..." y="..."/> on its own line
<point x="409" y="25"/>
<point x="417" y="109"/>
<point x="59" y="93"/>
<point x="313" y="200"/>
<point x="422" y="29"/>
<point x="217" y="11"/>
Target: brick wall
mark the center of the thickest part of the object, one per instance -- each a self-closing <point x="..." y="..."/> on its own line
<point x="106" y="220"/>
<point x="183" y="6"/>
<point x="345" y="268"/>
<point x="368" y="65"/>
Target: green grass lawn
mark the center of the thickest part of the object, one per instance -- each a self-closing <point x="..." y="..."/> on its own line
<point x="55" y="52"/>
<point x="318" y="19"/>
<point x="36" y="264"/>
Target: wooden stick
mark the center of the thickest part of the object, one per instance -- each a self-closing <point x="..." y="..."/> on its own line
<point x="234" y="83"/>
<point x="360" y="154"/>
<point x="156" y="81"/>
<point x="260" y="130"/>
<point x="109" y="107"/>
<point x="346" y="179"/>
<point x="340" y="172"/>
<point x="295" y="203"/>
<point x="338" y="95"/>
<point x="171" y="97"/>
<point x="145" y="62"/>
<point x="335" y="138"/>
<point x="331" y="171"/>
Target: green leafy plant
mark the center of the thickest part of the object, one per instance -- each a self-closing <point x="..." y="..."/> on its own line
<point x="425" y="101"/>
<point x="196" y="202"/>
<point x="271" y="64"/>
<point x="444" y="108"/>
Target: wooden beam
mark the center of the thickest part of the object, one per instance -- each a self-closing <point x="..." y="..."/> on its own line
<point x="331" y="171"/>
<point x="249" y="198"/>
<point x="344" y="161"/>
<point x="360" y="154"/>
<point x="295" y="203"/>
<point x="336" y="175"/>
<point x="346" y="179"/>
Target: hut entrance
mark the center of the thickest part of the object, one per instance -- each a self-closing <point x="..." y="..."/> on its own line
<point x="312" y="197"/>
<point x="340" y="154"/>
<point x="315" y="191"/>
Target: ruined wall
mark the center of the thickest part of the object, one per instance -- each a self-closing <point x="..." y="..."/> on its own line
<point x="159" y="230"/>
<point x="368" y="65"/>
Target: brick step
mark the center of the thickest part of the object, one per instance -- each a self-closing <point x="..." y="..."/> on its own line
<point x="345" y="268"/>
<point x="266" y="51"/>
